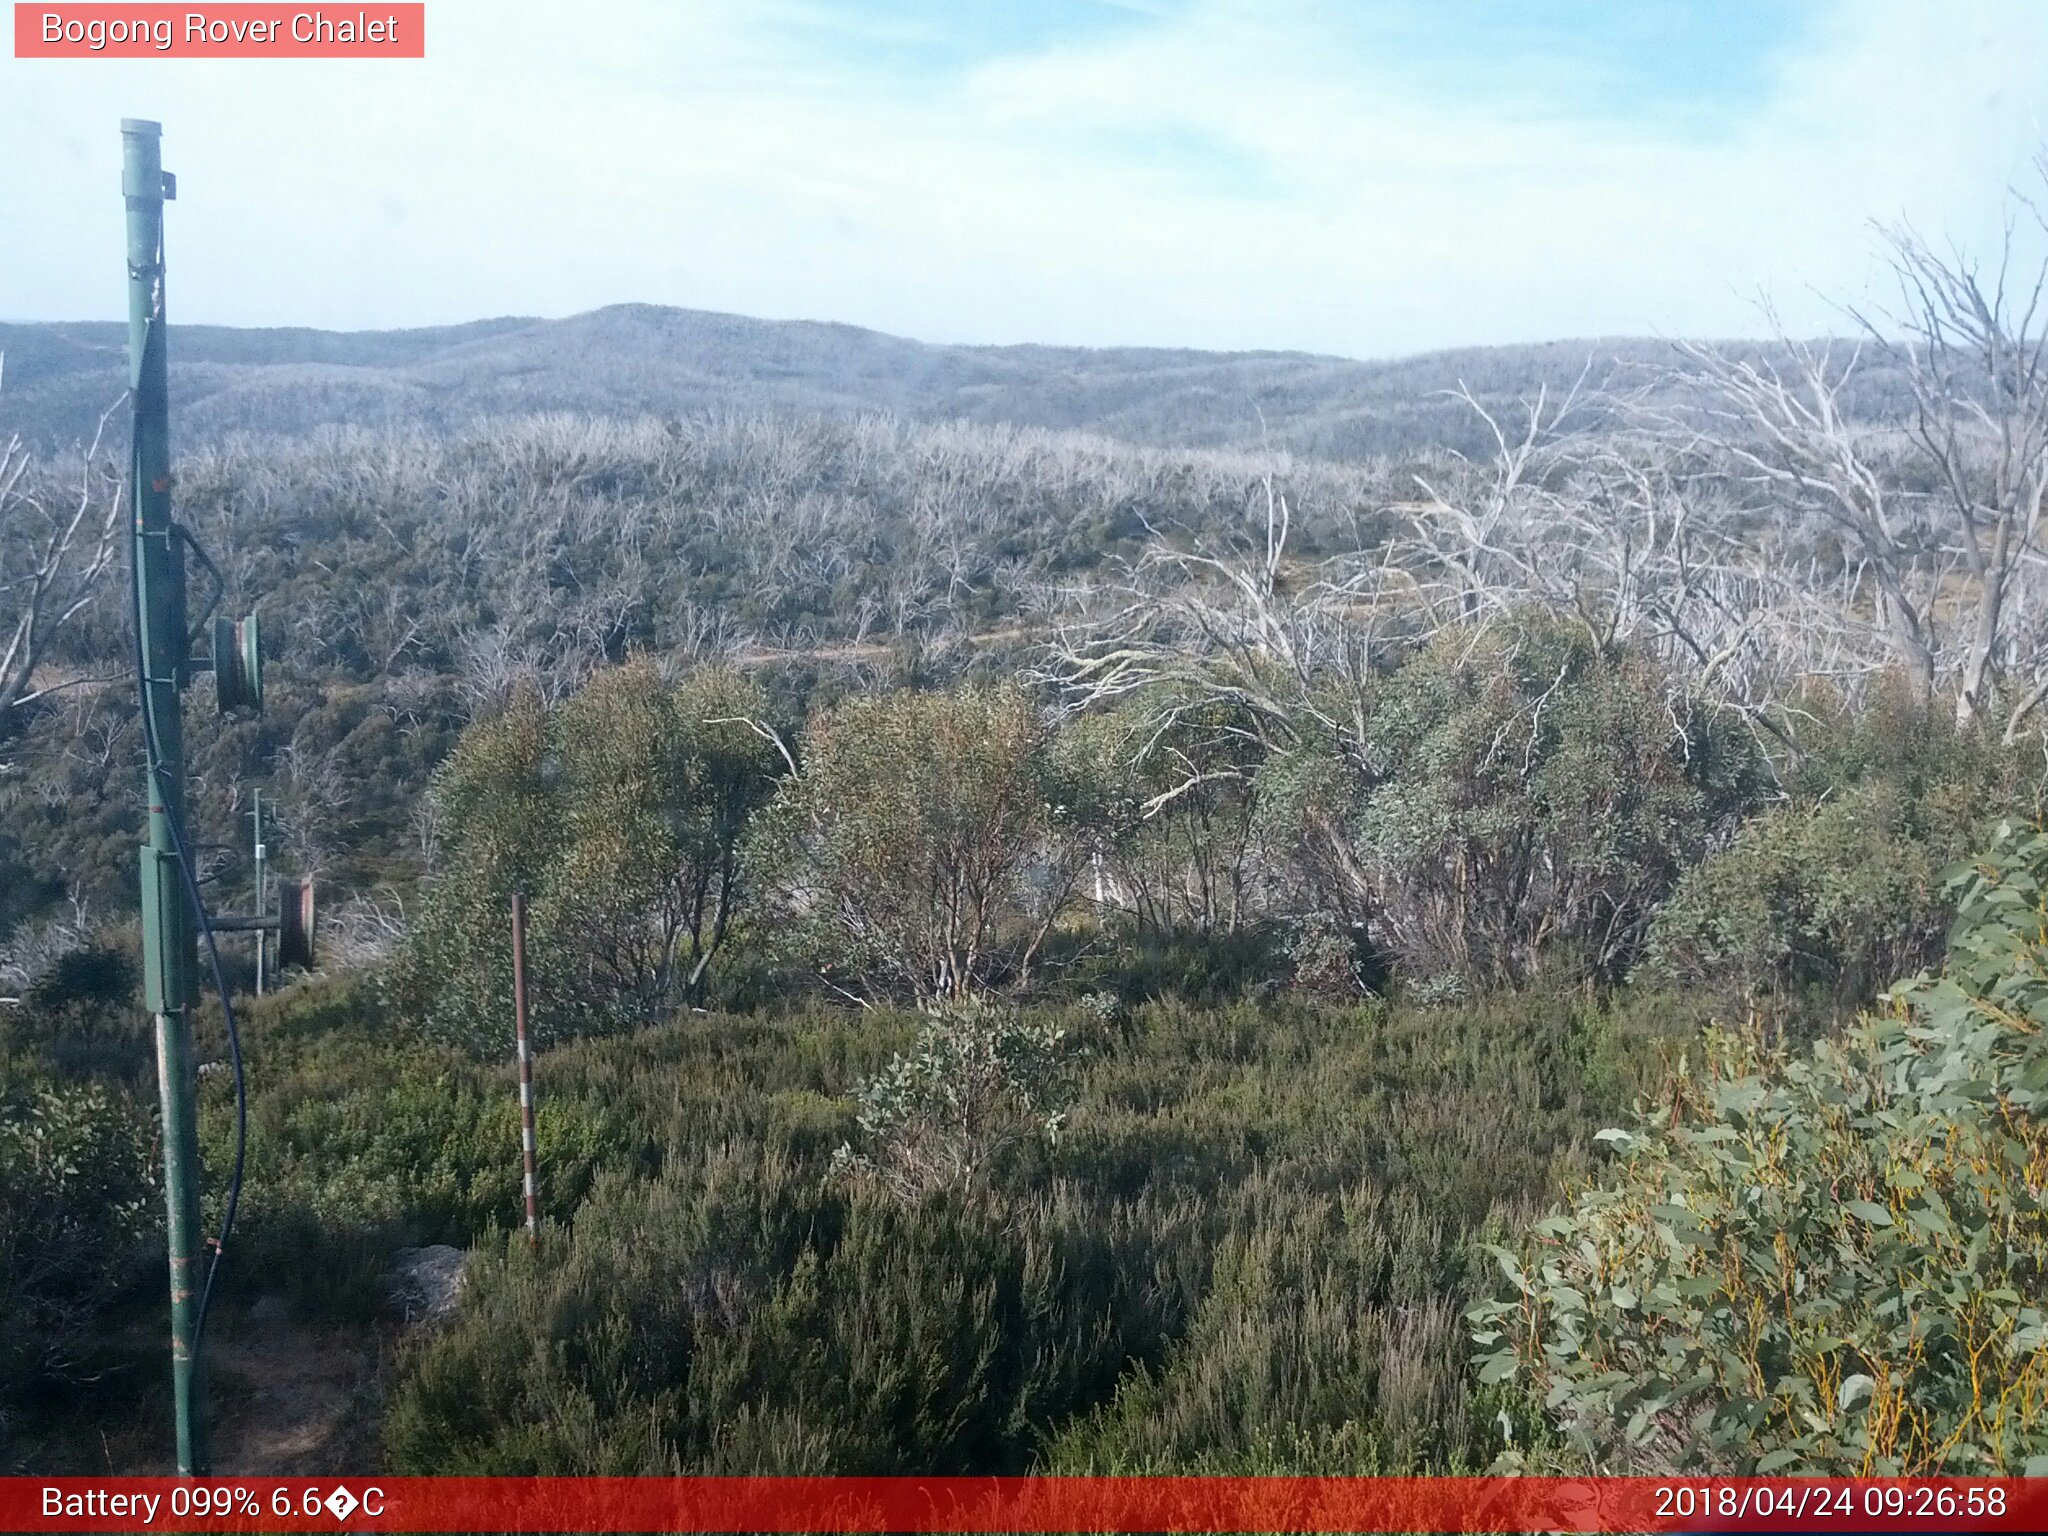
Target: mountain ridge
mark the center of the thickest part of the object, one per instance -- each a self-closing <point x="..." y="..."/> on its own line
<point x="644" y="359"/>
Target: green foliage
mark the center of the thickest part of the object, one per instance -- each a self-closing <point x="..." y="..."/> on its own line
<point x="743" y="1319"/>
<point x="498" y="829"/>
<point x="364" y="1139"/>
<point x="78" y="1178"/>
<point x="1826" y="1262"/>
<point x="1838" y="890"/>
<point x="1952" y="785"/>
<point x="657" y="784"/>
<point x="1317" y="1348"/>
<point x="1141" y="967"/>
<point x="978" y="1082"/>
<point x="1325" y="959"/>
<point x="1232" y="1193"/>
<point x="1182" y="858"/>
<point x="76" y="1198"/>
<point x="930" y="843"/>
<point x="77" y="1016"/>
<point x="620" y="814"/>
<point x="1840" y="896"/>
<point x="1308" y="796"/>
<point x="1531" y="797"/>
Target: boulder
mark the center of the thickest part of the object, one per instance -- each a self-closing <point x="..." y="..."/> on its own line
<point x="424" y="1284"/>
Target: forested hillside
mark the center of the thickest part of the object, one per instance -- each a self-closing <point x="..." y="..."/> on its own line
<point x="636" y="360"/>
<point x="1088" y="911"/>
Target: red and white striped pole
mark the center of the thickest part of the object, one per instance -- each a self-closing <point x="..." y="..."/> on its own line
<point x="526" y="1137"/>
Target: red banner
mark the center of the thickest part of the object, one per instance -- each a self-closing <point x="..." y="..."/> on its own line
<point x="380" y="31"/>
<point x="967" y="1504"/>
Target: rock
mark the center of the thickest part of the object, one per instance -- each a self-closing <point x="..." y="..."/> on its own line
<point x="424" y="1284"/>
<point x="271" y="1309"/>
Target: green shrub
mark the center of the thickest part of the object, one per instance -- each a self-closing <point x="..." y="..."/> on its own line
<point x="77" y="1198"/>
<point x="1519" y="802"/>
<point x="1318" y="1347"/>
<point x="1838" y="890"/>
<point x="930" y="844"/>
<point x="619" y="814"/>
<point x="1231" y="1188"/>
<point x="979" y="1083"/>
<point x="1822" y="1262"/>
<point x="1839" y="897"/>
<point x="1952" y="785"/>
<point x="737" y="1317"/>
<point x="1183" y="856"/>
<point x="502" y="829"/>
<point x="1141" y="966"/>
<point x="364" y="1139"/>
<point x="79" y="1016"/>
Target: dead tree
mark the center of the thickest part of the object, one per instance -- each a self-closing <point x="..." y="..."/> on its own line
<point x="1938" y="505"/>
<point x="1785" y="431"/>
<point x="1282" y="644"/>
<point x="1632" y="535"/>
<point x="1974" y="357"/>
<point x="57" y="540"/>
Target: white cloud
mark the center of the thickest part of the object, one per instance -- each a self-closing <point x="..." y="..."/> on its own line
<point x="1230" y="173"/>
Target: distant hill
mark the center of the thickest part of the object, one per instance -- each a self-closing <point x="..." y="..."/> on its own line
<point x="638" y="359"/>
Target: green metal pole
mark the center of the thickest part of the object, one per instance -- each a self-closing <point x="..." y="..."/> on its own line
<point x="167" y="936"/>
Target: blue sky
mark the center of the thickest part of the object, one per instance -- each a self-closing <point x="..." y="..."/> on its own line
<point x="1367" y="178"/>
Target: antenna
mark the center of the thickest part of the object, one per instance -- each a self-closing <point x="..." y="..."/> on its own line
<point x="164" y="664"/>
<point x="160" y="640"/>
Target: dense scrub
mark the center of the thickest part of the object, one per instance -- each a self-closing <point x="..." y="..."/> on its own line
<point x="1515" y="805"/>
<point x="719" y="1286"/>
<point x="1107" y="1227"/>
<point x="1221" y="1252"/>
<point x="79" y="1202"/>
<point x="1228" y="1238"/>
<point x="1837" y="890"/>
<point x="1070" y="1219"/>
<point x="408" y="581"/>
<point x="620" y="814"/>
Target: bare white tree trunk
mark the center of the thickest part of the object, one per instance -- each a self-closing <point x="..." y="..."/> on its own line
<point x="57" y="541"/>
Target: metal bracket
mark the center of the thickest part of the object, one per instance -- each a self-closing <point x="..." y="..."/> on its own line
<point x="166" y="986"/>
<point x="190" y="540"/>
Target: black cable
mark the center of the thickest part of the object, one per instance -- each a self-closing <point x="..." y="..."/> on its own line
<point x="153" y="338"/>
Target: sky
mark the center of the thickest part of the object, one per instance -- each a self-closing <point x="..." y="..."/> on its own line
<point x="1370" y="178"/>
